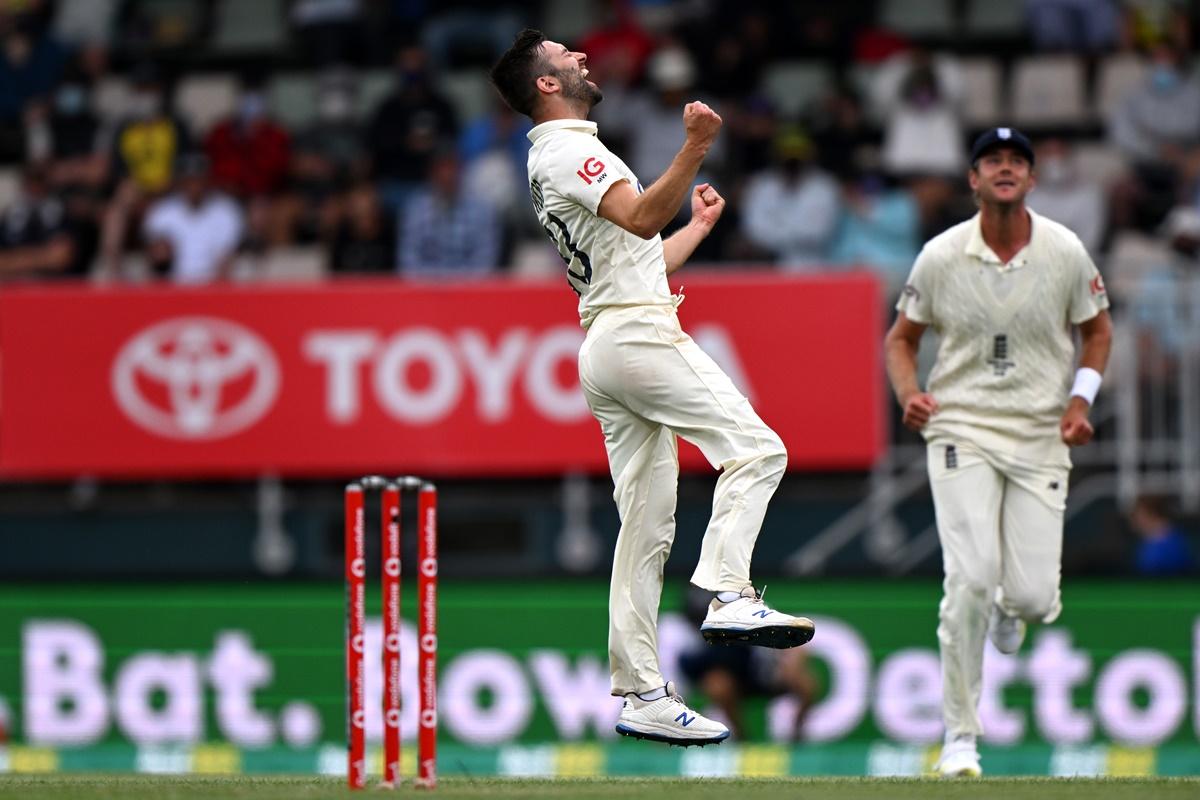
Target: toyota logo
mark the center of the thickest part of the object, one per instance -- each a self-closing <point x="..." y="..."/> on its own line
<point x="195" y="378"/>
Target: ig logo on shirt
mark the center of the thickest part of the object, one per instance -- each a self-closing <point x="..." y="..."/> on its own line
<point x="591" y="168"/>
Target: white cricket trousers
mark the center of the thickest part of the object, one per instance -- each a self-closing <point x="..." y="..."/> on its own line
<point x="1001" y="527"/>
<point x="646" y="381"/>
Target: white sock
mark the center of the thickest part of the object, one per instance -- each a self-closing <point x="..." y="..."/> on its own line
<point x="650" y="696"/>
<point x="728" y="597"/>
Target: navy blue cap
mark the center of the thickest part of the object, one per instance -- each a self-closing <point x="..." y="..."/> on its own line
<point x="1002" y="137"/>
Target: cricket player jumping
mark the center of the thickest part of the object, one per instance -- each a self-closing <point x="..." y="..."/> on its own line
<point x="1002" y="290"/>
<point x="646" y="381"/>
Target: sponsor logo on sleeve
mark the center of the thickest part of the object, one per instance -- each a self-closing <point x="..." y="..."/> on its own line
<point x="1097" y="285"/>
<point x="592" y="168"/>
<point x="911" y="291"/>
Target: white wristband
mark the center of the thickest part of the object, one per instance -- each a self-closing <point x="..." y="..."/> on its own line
<point x="1087" y="383"/>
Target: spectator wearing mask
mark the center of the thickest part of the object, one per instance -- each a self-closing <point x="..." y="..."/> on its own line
<point x="446" y="232"/>
<point x="1066" y="195"/>
<point x="410" y="124"/>
<point x="249" y="151"/>
<point x="880" y="228"/>
<point x="64" y="137"/>
<point x="791" y="209"/>
<point x="30" y="65"/>
<point x="327" y="158"/>
<point x="1157" y="128"/>
<point x="652" y="118"/>
<point x="145" y="149"/>
<point x="193" y="234"/>
<point x="917" y="98"/>
<point x="36" y="240"/>
<point x="250" y="154"/>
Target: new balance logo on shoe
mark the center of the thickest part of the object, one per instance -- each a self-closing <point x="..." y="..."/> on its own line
<point x="762" y="614"/>
<point x="683" y="717"/>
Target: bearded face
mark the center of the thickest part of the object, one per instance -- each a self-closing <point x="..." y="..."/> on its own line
<point x="577" y="88"/>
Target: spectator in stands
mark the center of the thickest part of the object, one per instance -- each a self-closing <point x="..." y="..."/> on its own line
<point x="791" y="210"/>
<point x="1163" y="548"/>
<point x="1161" y="299"/>
<point x="652" y="118"/>
<point x="880" y="229"/>
<point x="327" y="158"/>
<point x="145" y="150"/>
<point x="1087" y="26"/>
<point x="729" y="675"/>
<point x="917" y="97"/>
<point x="250" y="153"/>
<point x="494" y="149"/>
<point x="446" y="232"/>
<point x="1066" y="195"/>
<point x="1157" y="127"/>
<point x="410" y="124"/>
<point x="840" y="132"/>
<point x="36" y="240"/>
<point x="617" y="47"/>
<point x="366" y="237"/>
<point x="193" y="234"/>
<point x="65" y="133"/>
<point x="30" y="65"/>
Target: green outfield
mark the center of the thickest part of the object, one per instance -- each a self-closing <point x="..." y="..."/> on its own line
<point x="136" y="787"/>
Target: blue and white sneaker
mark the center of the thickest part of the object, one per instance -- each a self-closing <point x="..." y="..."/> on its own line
<point x="668" y="719"/>
<point x="748" y="620"/>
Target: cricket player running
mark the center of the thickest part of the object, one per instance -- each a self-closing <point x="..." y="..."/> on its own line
<point x="1002" y="290"/>
<point x="646" y="381"/>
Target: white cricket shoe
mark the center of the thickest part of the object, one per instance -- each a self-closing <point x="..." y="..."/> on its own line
<point x="748" y="620"/>
<point x="669" y="720"/>
<point x="1006" y="632"/>
<point x="959" y="759"/>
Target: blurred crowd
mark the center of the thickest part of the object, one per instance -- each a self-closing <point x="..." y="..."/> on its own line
<point x="200" y="140"/>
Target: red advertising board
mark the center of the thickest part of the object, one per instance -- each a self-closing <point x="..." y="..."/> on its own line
<point x="348" y="377"/>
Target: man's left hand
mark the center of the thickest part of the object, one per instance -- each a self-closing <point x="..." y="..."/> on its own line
<point x="1074" y="427"/>
<point x="707" y="205"/>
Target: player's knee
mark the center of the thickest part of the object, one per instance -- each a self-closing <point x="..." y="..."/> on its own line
<point x="774" y="455"/>
<point x="1033" y="605"/>
<point x="974" y="589"/>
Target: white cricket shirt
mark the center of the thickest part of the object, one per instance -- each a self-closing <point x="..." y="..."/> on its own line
<point x="569" y="172"/>
<point x="1006" y="357"/>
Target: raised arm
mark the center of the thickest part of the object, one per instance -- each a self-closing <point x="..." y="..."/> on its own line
<point x="646" y="214"/>
<point x="707" y="205"/>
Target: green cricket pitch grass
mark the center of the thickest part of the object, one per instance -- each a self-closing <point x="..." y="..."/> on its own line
<point x="137" y="787"/>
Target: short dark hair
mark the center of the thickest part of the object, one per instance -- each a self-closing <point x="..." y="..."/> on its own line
<point x="517" y="70"/>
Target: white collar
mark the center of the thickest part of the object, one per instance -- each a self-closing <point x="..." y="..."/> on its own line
<point x="582" y="125"/>
<point x="978" y="248"/>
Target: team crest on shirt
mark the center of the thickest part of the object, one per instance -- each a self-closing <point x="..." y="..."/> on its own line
<point x="592" y="168"/>
<point x="999" y="360"/>
<point x="1097" y="285"/>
